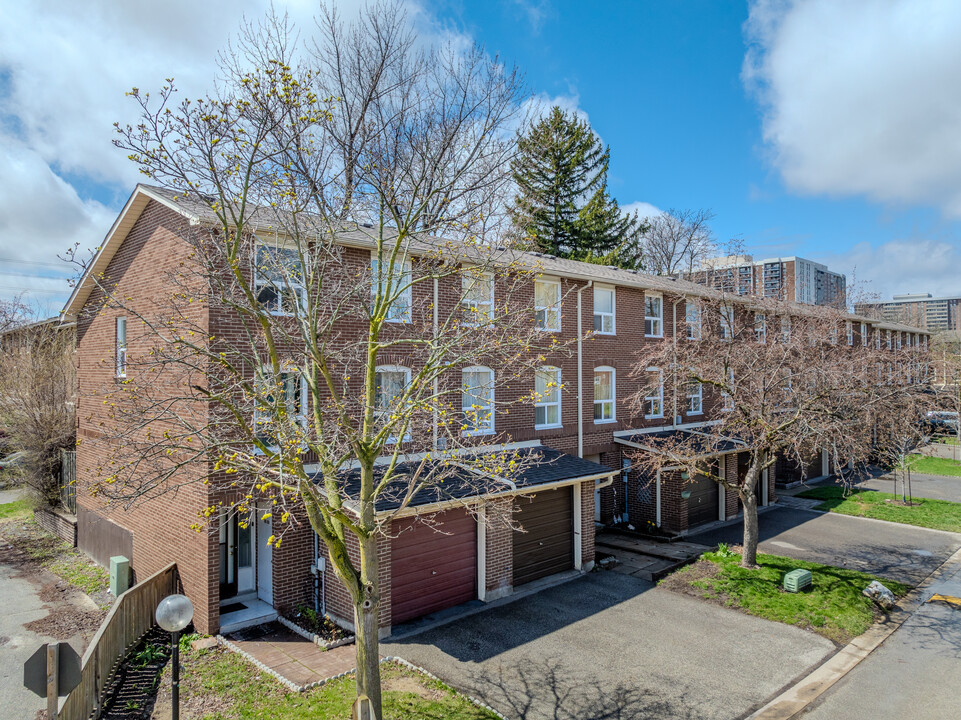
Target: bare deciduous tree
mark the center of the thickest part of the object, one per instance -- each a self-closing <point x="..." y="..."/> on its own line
<point x="677" y="241"/>
<point x="322" y="183"/>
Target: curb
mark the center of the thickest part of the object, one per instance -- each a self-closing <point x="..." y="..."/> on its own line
<point x="794" y="700"/>
<point x="406" y="663"/>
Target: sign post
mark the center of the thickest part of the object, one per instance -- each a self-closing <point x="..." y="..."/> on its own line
<point x="52" y="672"/>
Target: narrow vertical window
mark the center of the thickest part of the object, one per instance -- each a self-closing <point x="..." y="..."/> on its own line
<point x="654" y="400"/>
<point x="604" y="304"/>
<point x="653" y="315"/>
<point x="849" y="329"/>
<point x="864" y="335"/>
<point x="477" y="400"/>
<point x="695" y="398"/>
<point x="477" y="296"/>
<point x="395" y="286"/>
<point x="786" y="329"/>
<point x="692" y="315"/>
<point x="727" y="321"/>
<point x="727" y="398"/>
<point x="547" y="305"/>
<point x="121" y="347"/>
<point x="604" y="394"/>
<point x="547" y="404"/>
<point x="888" y="336"/>
<point x="760" y="327"/>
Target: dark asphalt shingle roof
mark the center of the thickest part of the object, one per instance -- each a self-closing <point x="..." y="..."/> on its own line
<point x="535" y="466"/>
<point x="686" y="441"/>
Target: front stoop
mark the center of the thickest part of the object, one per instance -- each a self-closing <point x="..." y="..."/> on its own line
<point x="646" y="559"/>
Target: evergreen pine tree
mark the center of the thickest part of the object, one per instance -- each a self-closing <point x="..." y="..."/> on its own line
<point x="562" y="206"/>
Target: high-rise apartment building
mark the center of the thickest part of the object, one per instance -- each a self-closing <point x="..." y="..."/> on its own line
<point x="919" y="309"/>
<point x="792" y="279"/>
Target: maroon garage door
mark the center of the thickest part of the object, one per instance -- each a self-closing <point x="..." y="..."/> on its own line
<point x="547" y="545"/>
<point x="432" y="568"/>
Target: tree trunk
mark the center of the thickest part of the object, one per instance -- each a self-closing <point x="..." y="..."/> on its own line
<point x="749" y="502"/>
<point x="366" y="627"/>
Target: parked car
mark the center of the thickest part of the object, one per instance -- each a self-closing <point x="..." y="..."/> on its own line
<point x="941" y="421"/>
<point x="13" y="460"/>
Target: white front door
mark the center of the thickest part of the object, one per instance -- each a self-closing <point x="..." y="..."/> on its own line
<point x="265" y="559"/>
<point x="246" y="553"/>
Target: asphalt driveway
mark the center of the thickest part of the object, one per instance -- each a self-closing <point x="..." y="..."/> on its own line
<point x="613" y="646"/>
<point x="900" y="552"/>
<point x="935" y="487"/>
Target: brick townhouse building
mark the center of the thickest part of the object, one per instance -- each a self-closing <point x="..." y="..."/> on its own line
<point x="581" y="432"/>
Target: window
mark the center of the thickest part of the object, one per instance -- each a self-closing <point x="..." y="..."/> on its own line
<point x="728" y="400"/>
<point x="897" y="337"/>
<point x="477" y="400"/>
<point x="785" y="329"/>
<point x="692" y="316"/>
<point x="849" y="329"/>
<point x="727" y="321"/>
<point x="877" y="339"/>
<point x="604" y="310"/>
<point x="293" y="388"/>
<point x="695" y="398"/>
<point x="760" y="327"/>
<point x="547" y="305"/>
<point x="864" y="335"/>
<point x="477" y="296"/>
<point x="279" y="280"/>
<point x="395" y="286"/>
<point x="833" y="335"/>
<point x="390" y="381"/>
<point x="654" y="401"/>
<point x="121" y="347"/>
<point x="547" y="405"/>
<point x="653" y="315"/>
<point x="604" y="393"/>
<point x="888" y="333"/>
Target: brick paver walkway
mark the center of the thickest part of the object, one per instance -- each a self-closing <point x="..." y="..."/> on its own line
<point x="299" y="660"/>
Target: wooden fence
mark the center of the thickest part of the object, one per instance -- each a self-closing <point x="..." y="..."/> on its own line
<point x="131" y="616"/>
<point x="68" y="480"/>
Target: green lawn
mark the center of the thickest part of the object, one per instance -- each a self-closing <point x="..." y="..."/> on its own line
<point x="934" y="514"/>
<point x="16" y="510"/>
<point x="948" y="440"/>
<point x="834" y="607"/>
<point x="934" y="465"/>
<point x="218" y="684"/>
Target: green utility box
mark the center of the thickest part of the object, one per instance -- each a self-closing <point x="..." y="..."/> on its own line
<point x="797" y="580"/>
<point x="119" y="575"/>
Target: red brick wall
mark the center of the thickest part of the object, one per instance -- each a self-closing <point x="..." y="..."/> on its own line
<point x="340" y="606"/>
<point x="56" y="524"/>
<point x="293" y="584"/>
<point x="587" y="524"/>
<point x="499" y="549"/>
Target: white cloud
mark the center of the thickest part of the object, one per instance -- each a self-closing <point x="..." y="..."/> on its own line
<point x="644" y="209"/>
<point x="861" y="97"/>
<point x="903" y="265"/>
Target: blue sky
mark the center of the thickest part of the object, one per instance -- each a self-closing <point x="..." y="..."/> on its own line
<point x="820" y="128"/>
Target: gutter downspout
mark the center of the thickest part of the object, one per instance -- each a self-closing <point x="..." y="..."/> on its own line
<point x="580" y="374"/>
<point x="674" y="362"/>
<point x="435" y="389"/>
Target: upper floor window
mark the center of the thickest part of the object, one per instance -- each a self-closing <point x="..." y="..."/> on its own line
<point x="547" y="404"/>
<point x="604" y="309"/>
<point x="604" y="394"/>
<point x="897" y="337"/>
<point x="547" y="305"/>
<point x="477" y="400"/>
<point x="654" y="400"/>
<point x="477" y="296"/>
<point x="727" y="398"/>
<point x="393" y="284"/>
<point x="785" y="329"/>
<point x="287" y="391"/>
<point x="121" y="347"/>
<point x="695" y="398"/>
<point x="864" y="335"/>
<point x="279" y="280"/>
<point x="390" y="383"/>
<point x="653" y="315"/>
<point x="849" y="329"/>
<point x="877" y="338"/>
<point x="760" y="327"/>
<point x="727" y="321"/>
<point x="692" y="316"/>
<point x="888" y="332"/>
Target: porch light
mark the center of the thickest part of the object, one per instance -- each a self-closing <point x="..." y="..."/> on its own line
<point x="174" y="613"/>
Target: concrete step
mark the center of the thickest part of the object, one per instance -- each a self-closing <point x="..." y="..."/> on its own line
<point x="254" y="613"/>
<point x="668" y="551"/>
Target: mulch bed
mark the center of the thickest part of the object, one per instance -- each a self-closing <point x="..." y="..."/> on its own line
<point x="680" y="582"/>
<point x="133" y="690"/>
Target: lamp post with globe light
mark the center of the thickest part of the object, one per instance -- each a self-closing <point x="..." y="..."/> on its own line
<point x="174" y="613"/>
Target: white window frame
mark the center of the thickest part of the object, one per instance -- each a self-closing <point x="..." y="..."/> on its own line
<point x="864" y="335"/>
<point x="389" y="369"/>
<point x="476" y="409"/>
<point x="608" y="403"/>
<point x="849" y="332"/>
<point x="543" y="313"/>
<point x="727" y="400"/>
<point x="785" y="329"/>
<point x="121" y="347"/>
<point x="300" y="389"/>
<point x="602" y="316"/>
<point x="657" y="321"/>
<point x="727" y="321"/>
<point x="760" y="328"/>
<point x="877" y="338"/>
<point x="658" y="398"/>
<point x="888" y="337"/>
<point x="400" y="311"/>
<point x="692" y="316"/>
<point x="540" y="402"/>
<point x="477" y="311"/>
<point x="897" y="339"/>
<point x="695" y="401"/>
<point x="262" y="280"/>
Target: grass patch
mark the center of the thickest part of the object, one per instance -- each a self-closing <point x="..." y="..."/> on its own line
<point x="218" y="684"/>
<point x="930" y="465"/>
<point x="934" y="514"/>
<point x="948" y="440"/>
<point x="18" y="529"/>
<point x="834" y="607"/>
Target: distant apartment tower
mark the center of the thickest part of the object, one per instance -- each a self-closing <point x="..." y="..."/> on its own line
<point x="792" y="279"/>
<point x="918" y="309"/>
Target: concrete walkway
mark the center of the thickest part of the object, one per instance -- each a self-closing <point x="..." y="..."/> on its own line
<point x="297" y="660"/>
